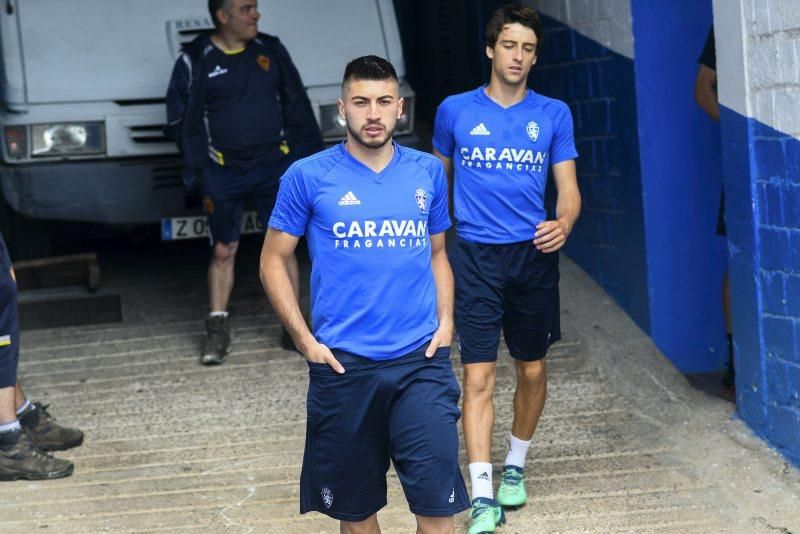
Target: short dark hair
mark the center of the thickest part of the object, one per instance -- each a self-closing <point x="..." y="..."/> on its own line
<point x="213" y="7"/>
<point x="509" y="14"/>
<point x="369" y="68"/>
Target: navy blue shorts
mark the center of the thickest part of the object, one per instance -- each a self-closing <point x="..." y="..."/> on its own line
<point x="225" y="190"/>
<point x="9" y="326"/>
<point x="512" y="287"/>
<point x="406" y="410"/>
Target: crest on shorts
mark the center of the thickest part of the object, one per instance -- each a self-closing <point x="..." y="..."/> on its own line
<point x="421" y="197"/>
<point x="533" y="131"/>
<point x="263" y="61"/>
<point x="327" y="497"/>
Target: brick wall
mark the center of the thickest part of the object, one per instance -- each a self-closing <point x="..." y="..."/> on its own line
<point x="773" y="67"/>
<point x="761" y="39"/>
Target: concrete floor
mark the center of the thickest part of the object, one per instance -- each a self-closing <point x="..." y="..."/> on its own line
<point x="624" y="445"/>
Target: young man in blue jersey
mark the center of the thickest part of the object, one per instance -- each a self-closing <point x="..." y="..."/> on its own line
<point x="26" y="428"/>
<point x="241" y="115"/>
<point x="381" y="384"/>
<point x="499" y="142"/>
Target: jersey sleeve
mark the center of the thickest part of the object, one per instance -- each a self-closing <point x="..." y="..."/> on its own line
<point x="292" y="207"/>
<point x="443" y="139"/>
<point x="177" y="98"/>
<point x="439" y="218"/>
<point x="185" y="105"/>
<point x="563" y="144"/>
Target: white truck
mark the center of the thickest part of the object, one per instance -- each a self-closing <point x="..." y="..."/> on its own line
<point x="83" y="86"/>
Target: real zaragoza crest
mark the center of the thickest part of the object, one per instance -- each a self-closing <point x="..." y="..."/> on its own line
<point x="533" y="131"/>
<point x="327" y="497"/>
<point x="422" y="196"/>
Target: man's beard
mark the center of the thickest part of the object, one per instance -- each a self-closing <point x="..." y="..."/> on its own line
<point x="371" y="143"/>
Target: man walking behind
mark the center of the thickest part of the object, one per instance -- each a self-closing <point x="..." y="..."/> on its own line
<point x="499" y="142"/>
<point x="241" y="115"/>
<point x="381" y="384"/>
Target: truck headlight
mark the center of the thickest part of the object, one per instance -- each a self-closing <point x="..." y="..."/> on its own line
<point x="68" y="139"/>
<point x="332" y="125"/>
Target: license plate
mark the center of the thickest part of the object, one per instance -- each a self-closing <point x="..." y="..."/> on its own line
<point x="173" y="228"/>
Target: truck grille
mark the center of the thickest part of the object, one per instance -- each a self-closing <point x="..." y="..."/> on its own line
<point x="148" y="133"/>
<point x="180" y="32"/>
<point x="167" y="177"/>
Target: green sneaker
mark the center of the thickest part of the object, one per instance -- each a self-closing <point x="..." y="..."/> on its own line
<point x="486" y="516"/>
<point x="511" y="493"/>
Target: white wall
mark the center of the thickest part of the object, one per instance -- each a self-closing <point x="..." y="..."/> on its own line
<point x="758" y="60"/>
<point x="606" y="21"/>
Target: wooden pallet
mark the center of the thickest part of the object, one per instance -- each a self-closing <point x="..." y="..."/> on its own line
<point x="58" y="271"/>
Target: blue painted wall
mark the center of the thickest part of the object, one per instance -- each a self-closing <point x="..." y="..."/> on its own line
<point x="598" y="85"/>
<point x="651" y="200"/>
<point x="649" y="172"/>
<point x="762" y="186"/>
<point x="681" y="174"/>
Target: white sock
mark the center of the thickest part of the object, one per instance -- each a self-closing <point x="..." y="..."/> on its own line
<point x="10" y="427"/>
<point x="481" y="475"/>
<point x="23" y="407"/>
<point x="517" y="450"/>
<point x="218" y="314"/>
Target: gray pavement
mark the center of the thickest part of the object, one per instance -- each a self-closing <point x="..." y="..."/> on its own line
<point x="624" y="445"/>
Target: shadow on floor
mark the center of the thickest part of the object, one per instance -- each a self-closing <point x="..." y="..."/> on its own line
<point x="711" y="384"/>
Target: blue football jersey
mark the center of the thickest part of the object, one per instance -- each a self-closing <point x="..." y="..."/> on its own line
<point x="500" y="160"/>
<point x="372" y="287"/>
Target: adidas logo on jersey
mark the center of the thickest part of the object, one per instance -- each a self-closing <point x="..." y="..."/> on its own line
<point x="349" y="200"/>
<point x="480" y="130"/>
<point x="217" y="72"/>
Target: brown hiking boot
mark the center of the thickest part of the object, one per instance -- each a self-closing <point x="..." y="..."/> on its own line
<point x="24" y="460"/>
<point x="45" y="432"/>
